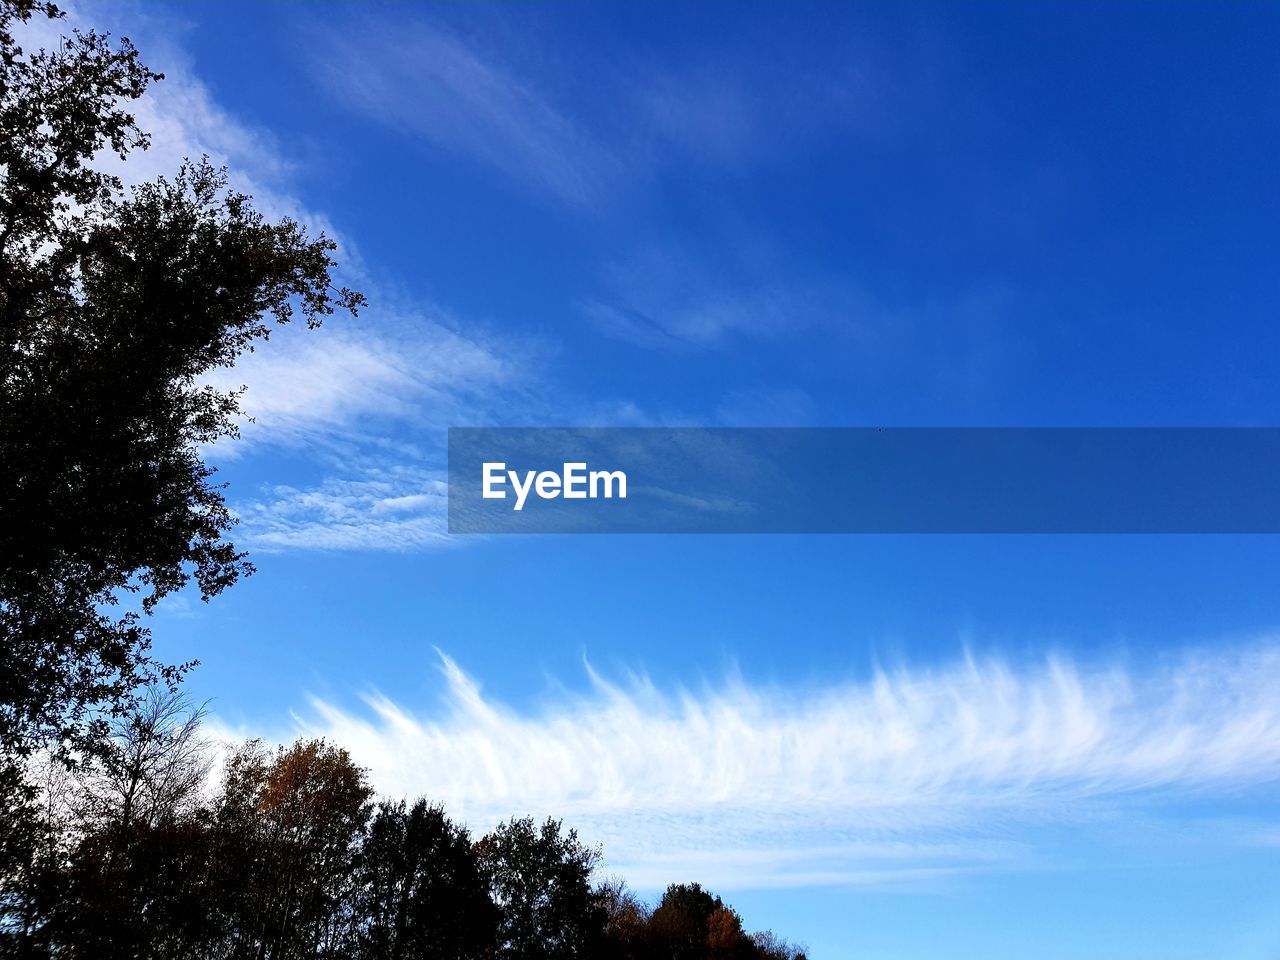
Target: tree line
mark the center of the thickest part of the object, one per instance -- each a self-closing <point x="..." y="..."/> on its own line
<point x="147" y="851"/>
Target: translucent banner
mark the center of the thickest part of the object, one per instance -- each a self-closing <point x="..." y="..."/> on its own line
<point x="864" y="480"/>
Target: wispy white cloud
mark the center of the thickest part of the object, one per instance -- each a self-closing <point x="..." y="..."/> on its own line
<point x="367" y="404"/>
<point x="704" y="316"/>
<point x="728" y="111"/>
<point x="318" y="382"/>
<point x="426" y="82"/>
<point x="882" y="352"/>
<point x="407" y="365"/>
<point x="905" y="777"/>
<point x="586" y="127"/>
<point x="401" y="510"/>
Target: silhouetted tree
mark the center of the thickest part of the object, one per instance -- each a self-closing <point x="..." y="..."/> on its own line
<point x="35" y="848"/>
<point x="289" y="825"/>
<point x="125" y="868"/>
<point x="113" y="307"/>
<point x="681" y="922"/>
<point x="420" y="890"/>
<point x="626" y="928"/>
<point x="771" y="947"/>
<point x="541" y="881"/>
<point x="133" y="889"/>
<point x="150" y="770"/>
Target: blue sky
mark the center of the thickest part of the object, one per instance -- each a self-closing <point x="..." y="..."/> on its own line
<point x="767" y="214"/>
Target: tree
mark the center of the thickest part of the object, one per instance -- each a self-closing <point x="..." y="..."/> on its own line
<point x="127" y="889"/>
<point x="124" y="871"/>
<point x="772" y="947"/>
<point x="541" y="881"/>
<point x="32" y="850"/>
<point x="289" y="824"/>
<point x="151" y="769"/>
<point x="114" y="306"/>
<point x="420" y="890"/>
<point x="682" y="920"/>
<point x="626" y="921"/>
<point x="725" y="938"/>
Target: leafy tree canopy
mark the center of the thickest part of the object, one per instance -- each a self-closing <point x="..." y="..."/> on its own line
<point x="540" y="878"/>
<point x="114" y="306"/>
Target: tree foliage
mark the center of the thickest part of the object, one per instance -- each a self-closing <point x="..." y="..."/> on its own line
<point x="291" y="822"/>
<point x="421" y="890"/>
<point x="287" y="857"/>
<point x="114" y="305"/>
<point x="540" y="875"/>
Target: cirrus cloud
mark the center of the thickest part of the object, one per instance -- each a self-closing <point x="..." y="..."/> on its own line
<point x="908" y="776"/>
